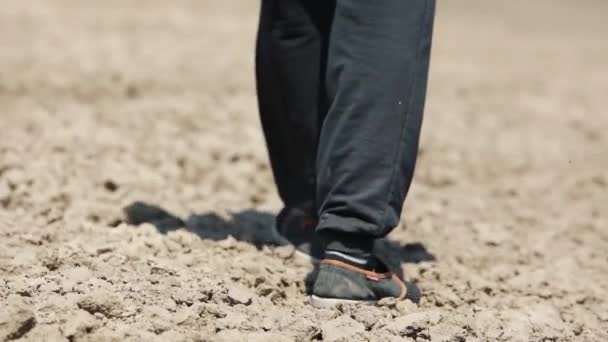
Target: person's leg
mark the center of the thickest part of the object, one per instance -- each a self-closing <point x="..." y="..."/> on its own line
<point x="288" y="73"/>
<point x="377" y="72"/>
<point x="377" y="75"/>
<point x="290" y="69"/>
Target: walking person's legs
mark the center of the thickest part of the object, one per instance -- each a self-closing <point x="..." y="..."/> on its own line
<point x="377" y="73"/>
<point x="290" y="70"/>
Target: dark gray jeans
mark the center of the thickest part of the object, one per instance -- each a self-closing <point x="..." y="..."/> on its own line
<point x="341" y="87"/>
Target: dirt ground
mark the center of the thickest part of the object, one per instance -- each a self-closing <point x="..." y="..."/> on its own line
<point x="136" y="201"/>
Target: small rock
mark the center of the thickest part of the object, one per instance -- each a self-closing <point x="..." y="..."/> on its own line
<point x="239" y="295"/>
<point x="110" y="185"/>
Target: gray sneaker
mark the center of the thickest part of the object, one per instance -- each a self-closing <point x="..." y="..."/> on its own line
<point x="339" y="282"/>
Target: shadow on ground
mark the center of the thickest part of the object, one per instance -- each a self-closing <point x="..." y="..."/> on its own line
<point x="256" y="227"/>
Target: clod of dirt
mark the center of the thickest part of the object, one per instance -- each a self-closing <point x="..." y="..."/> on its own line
<point x="188" y="316"/>
<point x="447" y="333"/>
<point x="159" y="319"/>
<point x="188" y="297"/>
<point x="212" y="311"/>
<point x="16" y="319"/>
<point x="389" y="302"/>
<point x="103" y="302"/>
<point x="414" y="325"/>
<point x="52" y="261"/>
<point x="110" y="185"/>
<point x="369" y="316"/>
<point x="406" y="307"/>
<point x="239" y="295"/>
<point x="228" y="243"/>
<point x="79" y="325"/>
<point x="515" y="326"/>
<point x="546" y="318"/>
<point x="236" y="320"/>
<point x="342" y="329"/>
<point x="284" y="252"/>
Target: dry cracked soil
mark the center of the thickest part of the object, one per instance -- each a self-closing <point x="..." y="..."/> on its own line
<point x="136" y="200"/>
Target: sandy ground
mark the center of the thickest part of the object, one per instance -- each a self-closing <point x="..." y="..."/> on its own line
<point x="149" y="106"/>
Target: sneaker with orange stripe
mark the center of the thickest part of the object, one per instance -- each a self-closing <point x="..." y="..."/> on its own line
<point x="342" y="281"/>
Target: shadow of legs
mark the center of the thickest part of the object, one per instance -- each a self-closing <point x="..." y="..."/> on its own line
<point x="250" y="226"/>
<point x="257" y="228"/>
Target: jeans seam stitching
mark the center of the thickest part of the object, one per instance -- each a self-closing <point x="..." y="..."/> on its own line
<point x="413" y="81"/>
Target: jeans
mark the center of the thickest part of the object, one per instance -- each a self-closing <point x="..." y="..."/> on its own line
<point x="341" y="90"/>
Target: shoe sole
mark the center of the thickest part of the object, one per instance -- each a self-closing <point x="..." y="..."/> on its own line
<point x="320" y="302"/>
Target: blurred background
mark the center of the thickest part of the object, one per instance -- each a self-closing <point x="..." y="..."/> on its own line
<point x="108" y="103"/>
